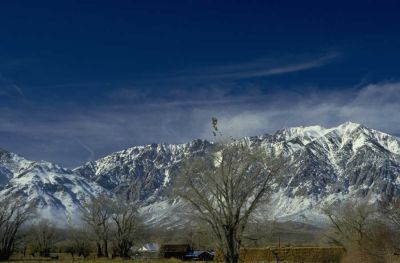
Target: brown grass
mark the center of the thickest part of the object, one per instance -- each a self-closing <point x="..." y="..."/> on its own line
<point x="291" y="254"/>
<point x="66" y="258"/>
<point x="96" y="260"/>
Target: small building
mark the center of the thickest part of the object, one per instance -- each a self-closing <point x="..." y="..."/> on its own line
<point x="178" y="251"/>
<point x="149" y="247"/>
<point x="146" y="251"/>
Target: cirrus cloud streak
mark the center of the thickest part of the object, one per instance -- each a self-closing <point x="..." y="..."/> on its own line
<point x="71" y="134"/>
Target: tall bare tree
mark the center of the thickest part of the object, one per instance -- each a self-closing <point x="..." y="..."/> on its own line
<point x="97" y="215"/>
<point x="350" y="223"/>
<point x="13" y="214"/>
<point x="126" y="224"/>
<point x="357" y="227"/>
<point x="225" y="187"/>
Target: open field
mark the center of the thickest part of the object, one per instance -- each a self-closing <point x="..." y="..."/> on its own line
<point x="271" y="254"/>
<point x="66" y="258"/>
<point x="250" y="255"/>
<point x="291" y="254"/>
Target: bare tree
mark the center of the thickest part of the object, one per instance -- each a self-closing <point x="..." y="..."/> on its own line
<point x="43" y="235"/>
<point x="356" y="226"/>
<point x="126" y="223"/>
<point x="97" y="214"/>
<point x="225" y="187"/>
<point x="79" y="242"/>
<point x="13" y="214"/>
<point x="350" y="223"/>
<point x="390" y="211"/>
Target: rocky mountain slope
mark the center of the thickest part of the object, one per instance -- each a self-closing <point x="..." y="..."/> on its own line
<point x="325" y="165"/>
<point x="58" y="193"/>
<point x="322" y="165"/>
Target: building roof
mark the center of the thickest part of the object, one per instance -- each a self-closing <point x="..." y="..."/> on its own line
<point x="150" y="247"/>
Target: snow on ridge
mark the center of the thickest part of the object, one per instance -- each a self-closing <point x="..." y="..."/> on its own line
<point x="314" y="131"/>
<point x="347" y="127"/>
<point x="58" y="192"/>
<point x="308" y="134"/>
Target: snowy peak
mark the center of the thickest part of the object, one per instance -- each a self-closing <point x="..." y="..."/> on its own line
<point x="348" y="133"/>
<point x="347" y="128"/>
<point x="290" y="140"/>
<point x="146" y="170"/>
<point x="307" y="134"/>
<point x="58" y="193"/>
<point x="304" y="134"/>
<point x="359" y="136"/>
<point x="10" y="164"/>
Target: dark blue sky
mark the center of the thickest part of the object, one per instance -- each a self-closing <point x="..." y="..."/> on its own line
<point x="80" y="79"/>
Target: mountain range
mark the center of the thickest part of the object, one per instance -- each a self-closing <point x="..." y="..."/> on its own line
<point x="322" y="166"/>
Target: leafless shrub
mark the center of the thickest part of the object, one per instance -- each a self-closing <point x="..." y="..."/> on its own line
<point x="77" y="242"/>
<point x="42" y="237"/>
<point x="13" y="214"/>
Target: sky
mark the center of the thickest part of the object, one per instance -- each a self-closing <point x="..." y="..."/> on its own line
<point x="82" y="79"/>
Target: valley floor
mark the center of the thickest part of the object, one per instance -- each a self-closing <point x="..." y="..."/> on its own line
<point x="67" y="259"/>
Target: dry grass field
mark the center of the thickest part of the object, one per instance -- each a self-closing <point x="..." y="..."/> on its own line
<point x="67" y="259"/>
<point x="250" y="255"/>
<point x="291" y="254"/>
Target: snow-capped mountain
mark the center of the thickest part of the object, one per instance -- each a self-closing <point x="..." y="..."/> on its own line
<point x="10" y="164"/>
<point x="58" y="193"/>
<point x="321" y="165"/>
<point x="325" y="165"/>
<point x="143" y="171"/>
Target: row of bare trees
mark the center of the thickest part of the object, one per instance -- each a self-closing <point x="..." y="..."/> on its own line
<point x="115" y="222"/>
<point x="113" y="226"/>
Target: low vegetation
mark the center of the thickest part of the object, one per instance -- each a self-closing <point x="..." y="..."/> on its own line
<point x="358" y="233"/>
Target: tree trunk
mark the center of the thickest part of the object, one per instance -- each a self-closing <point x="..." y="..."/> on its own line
<point x="232" y="255"/>
<point x="105" y="248"/>
<point x="99" y="251"/>
<point x="232" y="258"/>
<point x="4" y="255"/>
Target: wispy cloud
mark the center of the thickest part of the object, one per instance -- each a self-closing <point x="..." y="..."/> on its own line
<point x="374" y="105"/>
<point x="103" y="128"/>
<point x="256" y="69"/>
<point x="91" y="152"/>
<point x="72" y="132"/>
<point x="9" y="88"/>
